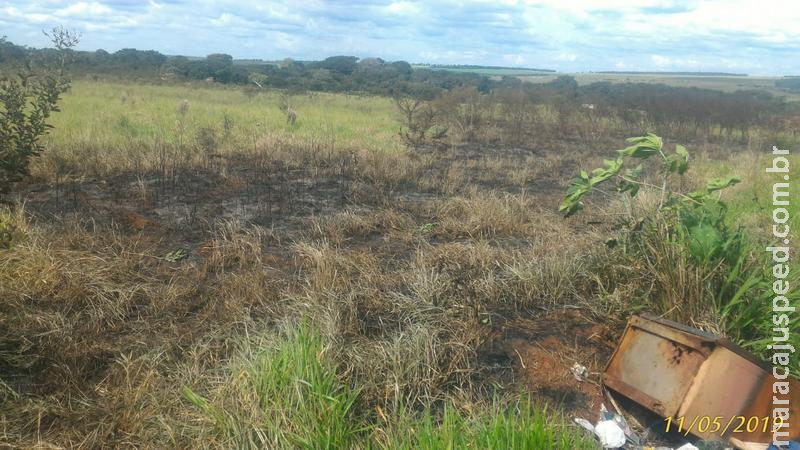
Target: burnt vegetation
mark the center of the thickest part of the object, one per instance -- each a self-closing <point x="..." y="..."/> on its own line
<point x="220" y="288"/>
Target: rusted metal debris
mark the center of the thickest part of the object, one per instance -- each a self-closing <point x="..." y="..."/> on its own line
<point x="697" y="379"/>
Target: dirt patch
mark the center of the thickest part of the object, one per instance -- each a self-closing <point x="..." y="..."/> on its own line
<point x="538" y="353"/>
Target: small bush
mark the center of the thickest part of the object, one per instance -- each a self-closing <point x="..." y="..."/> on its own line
<point x="690" y="264"/>
<point x="10" y="230"/>
<point x="26" y="102"/>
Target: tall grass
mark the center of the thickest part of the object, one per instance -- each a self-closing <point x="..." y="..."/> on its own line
<point x="289" y="396"/>
<point x="517" y="427"/>
<point x="108" y="127"/>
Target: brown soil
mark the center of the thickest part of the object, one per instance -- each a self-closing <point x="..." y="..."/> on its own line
<point x="540" y="351"/>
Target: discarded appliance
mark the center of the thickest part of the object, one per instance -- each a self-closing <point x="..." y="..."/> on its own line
<point x="700" y="383"/>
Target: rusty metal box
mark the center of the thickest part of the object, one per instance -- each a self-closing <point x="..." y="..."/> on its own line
<point x="681" y="372"/>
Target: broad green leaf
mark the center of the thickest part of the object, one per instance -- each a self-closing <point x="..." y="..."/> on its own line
<point x="721" y="183"/>
<point x="578" y="187"/>
<point x="643" y="146"/>
<point x="633" y="173"/>
<point x="602" y="174"/>
<point x="684" y="159"/>
<point x="704" y="241"/>
<point x="697" y="196"/>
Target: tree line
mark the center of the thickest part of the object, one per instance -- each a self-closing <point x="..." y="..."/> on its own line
<point x="474" y="99"/>
<point x="333" y="74"/>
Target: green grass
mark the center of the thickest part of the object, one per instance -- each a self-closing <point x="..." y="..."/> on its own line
<point x="750" y="202"/>
<point x="520" y="427"/>
<point x="114" y="114"/>
<point x="289" y="396"/>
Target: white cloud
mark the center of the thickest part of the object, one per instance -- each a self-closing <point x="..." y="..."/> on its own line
<point x="514" y="59"/>
<point x="224" y="19"/>
<point x="84" y="9"/>
<point x="661" y="61"/>
<point x="403" y="8"/>
<point x="32" y="17"/>
<point x="571" y="35"/>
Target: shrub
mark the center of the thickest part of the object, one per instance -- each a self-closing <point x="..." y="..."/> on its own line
<point x="690" y="263"/>
<point x="419" y="128"/>
<point x="26" y="101"/>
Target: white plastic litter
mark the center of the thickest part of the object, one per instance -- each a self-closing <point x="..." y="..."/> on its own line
<point x="610" y="434"/>
<point x="579" y="371"/>
<point x="585" y="424"/>
<point x="687" y="446"/>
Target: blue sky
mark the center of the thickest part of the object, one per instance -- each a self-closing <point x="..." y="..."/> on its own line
<point x="756" y="37"/>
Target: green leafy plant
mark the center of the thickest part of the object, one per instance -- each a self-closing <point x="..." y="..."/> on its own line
<point x="26" y="101"/>
<point x="689" y="262"/>
<point x="629" y="179"/>
<point x="176" y="255"/>
<point x="427" y="228"/>
<point x="10" y="232"/>
<point x="699" y="216"/>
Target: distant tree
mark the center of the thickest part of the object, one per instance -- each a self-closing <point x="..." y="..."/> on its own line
<point x="566" y="84"/>
<point x="10" y="52"/>
<point x="100" y="57"/>
<point x="403" y="68"/>
<point x="220" y="67"/>
<point x="132" y="58"/>
<point x="287" y="63"/>
<point x="370" y="62"/>
<point x="220" y="60"/>
<point x="344" y="65"/>
<point x="259" y="79"/>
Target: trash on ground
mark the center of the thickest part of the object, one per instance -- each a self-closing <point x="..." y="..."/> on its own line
<point x="695" y="379"/>
<point x="610" y="434"/>
<point x="580" y="372"/>
<point x="687" y="446"/>
<point x="611" y="429"/>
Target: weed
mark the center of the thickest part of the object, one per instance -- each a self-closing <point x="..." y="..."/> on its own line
<point x="291" y="398"/>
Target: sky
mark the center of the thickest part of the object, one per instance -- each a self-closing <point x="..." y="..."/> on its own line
<point x="755" y="37"/>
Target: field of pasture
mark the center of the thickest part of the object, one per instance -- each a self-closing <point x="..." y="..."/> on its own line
<point x="189" y="269"/>
<point x="720" y="83"/>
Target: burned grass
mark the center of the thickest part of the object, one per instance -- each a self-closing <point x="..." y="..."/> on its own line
<point x="147" y="308"/>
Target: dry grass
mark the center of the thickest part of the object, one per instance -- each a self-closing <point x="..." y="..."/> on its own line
<point x="103" y="329"/>
<point x="405" y="272"/>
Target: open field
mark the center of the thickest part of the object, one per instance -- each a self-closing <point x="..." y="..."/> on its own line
<point x="113" y="115"/>
<point x="494" y="71"/>
<point x="189" y="270"/>
<point x="720" y="83"/>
